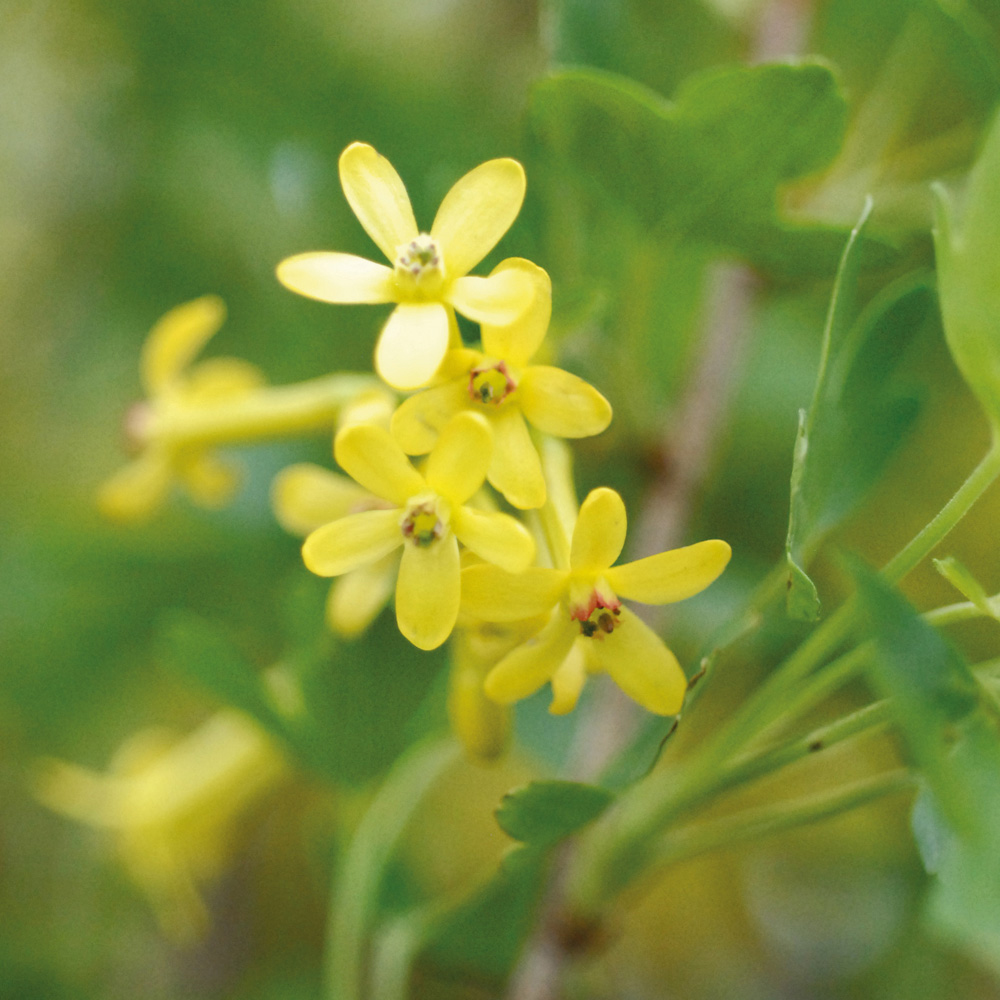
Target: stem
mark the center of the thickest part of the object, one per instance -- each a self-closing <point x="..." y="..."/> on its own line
<point x="269" y="412"/>
<point x="357" y="879"/>
<point x="752" y="824"/>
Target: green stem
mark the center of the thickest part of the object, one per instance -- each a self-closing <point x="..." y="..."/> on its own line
<point x="954" y="510"/>
<point x="753" y="824"/>
<point x="356" y="884"/>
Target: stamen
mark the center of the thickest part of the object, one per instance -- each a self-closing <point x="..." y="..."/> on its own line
<point x="420" y="258"/>
<point x="491" y="384"/>
<point x="424" y="521"/>
<point x="599" y="617"/>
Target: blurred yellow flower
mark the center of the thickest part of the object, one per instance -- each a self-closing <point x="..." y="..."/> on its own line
<point x="430" y="272"/>
<point x="174" y="387"/>
<point x="428" y="516"/>
<point x="173" y="805"/>
<point x="588" y="630"/>
<point x="191" y="408"/>
<point x="500" y="383"/>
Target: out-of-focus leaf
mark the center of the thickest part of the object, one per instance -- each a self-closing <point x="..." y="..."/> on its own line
<point x="858" y="415"/>
<point x="951" y="728"/>
<point x="967" y="245"/>
<point x="203" y="652"/>
<point x="544" y="812"/>
<point x="655" y="43"/>
<point x="483" y="936"/>
<point x="705" y="168"/>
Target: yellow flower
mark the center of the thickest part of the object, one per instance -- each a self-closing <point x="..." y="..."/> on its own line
<point x="174" y="387"/>
<point x="174" y="805"/>
<point x="589" y="630"/>
<point x="430" y="272"/>
<point x="428" y="517"/>
<point x="305" y="497"/>
<point x="500" y="383"/>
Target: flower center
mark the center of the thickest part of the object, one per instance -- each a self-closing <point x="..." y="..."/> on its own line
<point x="425" y="520"/>
<point x="419" y="264"/>
<point x="491" y="384"/>
<point x="599" y="617"/>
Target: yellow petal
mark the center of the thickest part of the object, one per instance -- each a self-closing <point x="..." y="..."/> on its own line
<point x="517" y="342"/>
<point x="495" y="595"/>
<point x="368" y="454"/>
<point x="476" y="212"/>
<point x="670" y="576"/>
<point x="562" y="404"/>
<point x="135" y="491"/>
<point x="357" y="597"/>
<point x="337" y="277"/>
<point x="568" y="681"/>
<point x="501" y="298"/>
<point x="304" y="497"/>
<point x="523" y="671"/>
<point x="640" y="664"/>
<point x="497" y="538"/>
<point x="353" y="541"/>
<point x="419" y="420"/>
<point x="376" y="194"/>
<point x="412" y="344"/>
<point x="176" y="340"/>
<point x="457" y="465"/>
<point x="210" y="481"/>
<point x="427" y="592"/>
<point x="220" y="379"/>
<point x="515" y="468"/>
<point x="600" y="531"/>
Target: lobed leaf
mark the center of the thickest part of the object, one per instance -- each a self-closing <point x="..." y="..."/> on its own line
<point x="706" y="167"/>
<point x="544" y="812"/>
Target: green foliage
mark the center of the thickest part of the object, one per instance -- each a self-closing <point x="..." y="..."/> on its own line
<point x="859" y="414"/>
<point x="967" y="243"/>
<point x="706" y="167"/>
<point x="951" y="726"/>
<point x="545" y="812"/>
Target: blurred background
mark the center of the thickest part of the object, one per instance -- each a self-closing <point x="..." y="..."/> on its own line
<point x="155" y="151"/>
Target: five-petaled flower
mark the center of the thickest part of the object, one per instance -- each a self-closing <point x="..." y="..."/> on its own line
<point x="500" y="383"/>
<point x="430" y="271"/>
<point x="589" y="630"/>
<point x="428" y="516"/>
<point x="178" y="391"/>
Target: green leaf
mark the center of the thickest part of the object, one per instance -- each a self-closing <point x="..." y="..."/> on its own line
<point x="544" y="812"/>
<point x="705" y="168"/>
<point x="483" y="936"/>
<point x="858" y="416"/>
<point x="950" y="726"/>
<point x="201" y="651"/>
<point x="966" y="241"/>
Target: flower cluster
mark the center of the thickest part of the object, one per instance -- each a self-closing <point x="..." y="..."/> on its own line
<point x="531" y="597"/>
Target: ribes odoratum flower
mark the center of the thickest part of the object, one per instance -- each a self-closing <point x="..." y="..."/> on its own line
<point x="427" y="515"/>
<point x="174" y="388"/>
<point x="588" y="629"/>
<point x="173" y="804"/>
<point x="429" y="275"/>
<point x="305" y="497"/>
<point x="500" y="383"/>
